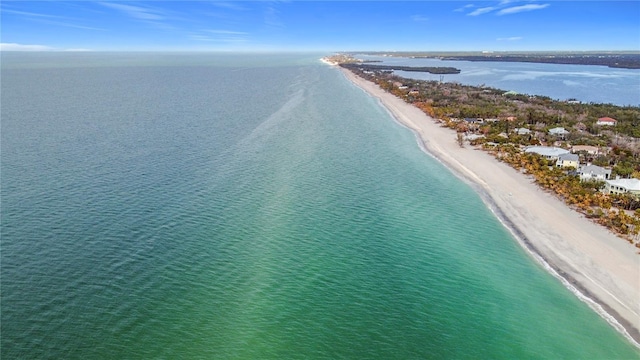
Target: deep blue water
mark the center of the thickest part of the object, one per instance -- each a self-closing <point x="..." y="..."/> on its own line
<point x="234" y="206"/>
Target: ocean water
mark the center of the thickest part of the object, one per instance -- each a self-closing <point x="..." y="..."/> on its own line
<point x="235" y="206"/>
<point x="586" y="83"/>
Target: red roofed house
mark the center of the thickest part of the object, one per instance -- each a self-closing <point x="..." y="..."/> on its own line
<point x="606" y="121"/>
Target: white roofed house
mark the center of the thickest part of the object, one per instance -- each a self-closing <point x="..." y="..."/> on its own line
<point x="558" y="131"/>
<point x="606" y="121"/>
<point x="522" y="131"/>
<point x="549" y="153"/>
<point x="568" y="161"/>
<point x="622" y="186"/>
<point x="593" y="172"/>
<point x="591" y="150"/>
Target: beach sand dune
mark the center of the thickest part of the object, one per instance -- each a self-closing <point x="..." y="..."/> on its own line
<point x="601" y="268"/>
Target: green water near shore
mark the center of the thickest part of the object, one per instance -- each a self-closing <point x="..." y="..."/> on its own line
<point x="220" y="207"/>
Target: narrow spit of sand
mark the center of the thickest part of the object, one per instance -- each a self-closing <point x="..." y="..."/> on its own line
<point x="599" y="267"/>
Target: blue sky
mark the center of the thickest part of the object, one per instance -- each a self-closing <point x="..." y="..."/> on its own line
<point x="506" y="25"/>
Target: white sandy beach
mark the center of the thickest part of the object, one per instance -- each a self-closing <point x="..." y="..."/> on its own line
<point x="601" y="268"/>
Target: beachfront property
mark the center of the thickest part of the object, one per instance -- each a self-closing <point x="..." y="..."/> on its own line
<point x="606" y="121"/>
<point x="549" y="153"/>
<point x="591" y="150"/>
<point x="558" y="131"/>
<point x="593" y="172"/>
<point x="568" y="160"/>
<point x="622" y="186"/>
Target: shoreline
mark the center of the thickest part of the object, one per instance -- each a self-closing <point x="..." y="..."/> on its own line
<point x="600" y="268"/>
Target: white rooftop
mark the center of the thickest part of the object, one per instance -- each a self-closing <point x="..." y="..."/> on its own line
<point x="546" y="150"/>
<point x="558" y="130"/>
<point x="594" y="169"/>
<point x="629" y="184"/>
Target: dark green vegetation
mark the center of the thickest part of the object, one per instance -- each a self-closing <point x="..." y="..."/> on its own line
<point x="428" y="69"/>
<point x="626" y="60"/>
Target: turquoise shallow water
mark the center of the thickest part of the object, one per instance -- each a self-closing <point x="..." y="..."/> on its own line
<point x="225" y="206"/>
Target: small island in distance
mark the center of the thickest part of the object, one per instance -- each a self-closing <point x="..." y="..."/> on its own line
<point x="624" y="60"/>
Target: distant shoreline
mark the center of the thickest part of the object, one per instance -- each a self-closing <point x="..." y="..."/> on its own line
<point x="619" y="60"/>
<point x="592" y="262"/>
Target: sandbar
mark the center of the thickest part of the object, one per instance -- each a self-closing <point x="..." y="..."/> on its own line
<point x="601" y="268"/>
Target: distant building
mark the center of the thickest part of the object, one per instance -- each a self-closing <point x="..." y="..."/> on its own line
<point x="593" y="172"/>
<point x="568" y="160"/>
<point x="560" y="131"/>
<point x="591" y="150"/>
<point x="523" y="131"/>
<point x="549" y="153"/>
<point x="606" y="121"/>
<point x="622" y="186"/>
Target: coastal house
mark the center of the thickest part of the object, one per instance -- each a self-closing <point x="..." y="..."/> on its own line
<point x="593" y="172"/>
<point x="568" y="160"/>
<point x="549" y="153"/>
<point x="558" y="131"/>
<point x="622" y="186"/>
<point x="591" y="150"/>
<point x="606" y="121"/>
<point x="522" y="131"/>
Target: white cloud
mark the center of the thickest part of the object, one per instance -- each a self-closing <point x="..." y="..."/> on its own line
<point x="228" y="5"/>
<point x="136" y="12"/>
<point x="481" y="11"/>
<point x="30" y="14"/>
<point x="226" y="32"/>
<point x="271" y="17"/>
<point x="468" y="6"/>
<point x="513" y="38"/>
<point x="419" y="18"/>
<point x="522" y="8"/>
<point x="23" y="47"/>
